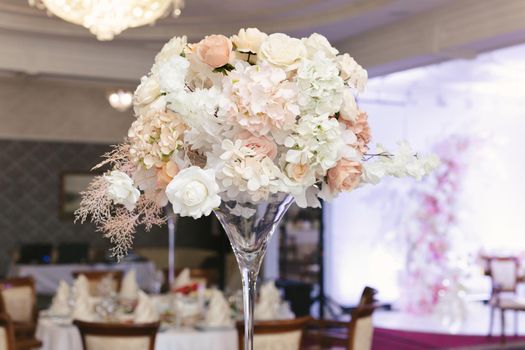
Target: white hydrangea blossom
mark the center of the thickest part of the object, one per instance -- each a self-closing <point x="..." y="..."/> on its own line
<point x="171" y="73"/>
<point x="260" y="99"/>
<point x="315" y="141"/>
<point x="154" y="137"/>
<point x="242" y="173"/>
<point x="198" y="110"/>
<point x="401" y="164"/>
<point x="320" y="86"/>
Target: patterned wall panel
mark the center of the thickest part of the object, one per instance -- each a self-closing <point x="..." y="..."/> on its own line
<point x="29" y="195"/>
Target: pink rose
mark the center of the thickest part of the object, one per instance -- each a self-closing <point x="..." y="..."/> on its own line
<point x="166" y="173"/>
<point x="262" y="145"/>
<point x="361" y="129"/>
<point x="345" y="176"/>
<point x="214" y="50"/>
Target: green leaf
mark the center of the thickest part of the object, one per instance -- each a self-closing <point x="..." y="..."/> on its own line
<point x="224" y="69"/>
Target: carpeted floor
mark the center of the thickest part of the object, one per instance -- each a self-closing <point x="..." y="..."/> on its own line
<point x="388" y="339"/>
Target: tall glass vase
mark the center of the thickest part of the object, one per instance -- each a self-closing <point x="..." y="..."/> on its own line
<point x="249" y="228"/>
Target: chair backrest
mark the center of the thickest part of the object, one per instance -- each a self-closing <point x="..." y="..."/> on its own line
<point x="7" y="334"/>
<point x="276" y="335"/>
<point x="361" y="327"/>
<point x="95" y="277"/>
<point x="112" y="336"/>
<point x="18" y="299"/>
<point x="504" y="272"/>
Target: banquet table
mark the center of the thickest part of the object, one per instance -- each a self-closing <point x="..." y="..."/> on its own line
<point x="47" y="277"/>
<point x="62" y="335"/>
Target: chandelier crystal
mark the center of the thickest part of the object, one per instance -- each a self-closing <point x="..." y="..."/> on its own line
<point x="107" y="18"/>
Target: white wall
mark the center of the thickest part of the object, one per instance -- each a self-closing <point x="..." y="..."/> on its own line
<point x="34" y="109"/>
<point x="481" y="98"/>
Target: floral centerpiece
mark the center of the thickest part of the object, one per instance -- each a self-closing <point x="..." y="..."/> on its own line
<point x="235" y="122"/>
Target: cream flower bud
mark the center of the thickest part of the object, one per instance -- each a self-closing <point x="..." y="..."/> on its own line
<point x="249" y="40"/>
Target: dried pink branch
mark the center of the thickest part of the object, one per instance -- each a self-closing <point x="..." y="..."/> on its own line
<point x="115" y="222"/>
<point x="95" y="202"/>
<point x="118" y="157"/>
<point x="120" y="229"/>
<point x="150" y="214"/>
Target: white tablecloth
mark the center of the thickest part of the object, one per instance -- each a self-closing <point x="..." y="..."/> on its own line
<point x="47" y="277"/>
<point x="55" y="336"/>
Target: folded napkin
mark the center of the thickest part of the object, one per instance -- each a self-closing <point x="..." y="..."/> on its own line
<point x="269" y="303"/>
<point x="81" y="286"/>
<point x="83" y="310"/>
<point x="145" y="312"/>
<point x="182" y="280"/>
<point x="60" y="303"/>
<point x="130" y="288"/>
<point x="219" y="313"/>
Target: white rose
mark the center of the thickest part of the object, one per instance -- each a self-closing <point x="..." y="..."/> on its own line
<point x="147" y="92"/>
<point x="316" y="43"/>
<point x="352" y="72"/>
<point x="349" y="110"/>
<point x="249" y="40"/>
<point x="121" y="189"/>
<point x="281" y="50"/>
<point x="193" y="192"/>
<point x="172" y="48"/>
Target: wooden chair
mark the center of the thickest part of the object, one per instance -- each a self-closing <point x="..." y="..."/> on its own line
<point x="276" y="335"/>
<point x="7" y="333"/>
<point x="353" y="335"/>
<point x="112" y="336"/>
<point x="18" y="301"/>
<point x="7" y="337"/>
<point x="504" y="274"/>
<point x="94" y="278"/>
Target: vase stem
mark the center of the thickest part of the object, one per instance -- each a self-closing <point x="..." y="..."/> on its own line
<point x="249" y="227"/>
<point x="249" y="281"/>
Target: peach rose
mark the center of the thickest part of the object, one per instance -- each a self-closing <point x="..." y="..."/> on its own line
<point x="214" y="50"/>
<point x="361" y="129"/>
<point x="296" y="171"/>
<point x="166" y="173"/>
<point x="345" y="176"/>
<point x="262" y="145"/>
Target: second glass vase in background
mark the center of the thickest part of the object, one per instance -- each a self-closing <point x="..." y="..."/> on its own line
<point x="249" y="227"/>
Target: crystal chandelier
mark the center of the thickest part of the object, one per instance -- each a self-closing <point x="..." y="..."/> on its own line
<point x="107" y="18"/>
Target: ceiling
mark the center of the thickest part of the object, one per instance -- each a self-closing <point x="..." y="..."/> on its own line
<point x="384" y="35"/>
<point x="337" y="19"/>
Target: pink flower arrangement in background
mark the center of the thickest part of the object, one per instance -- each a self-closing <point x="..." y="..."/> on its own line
<point x="432" y="276"/>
